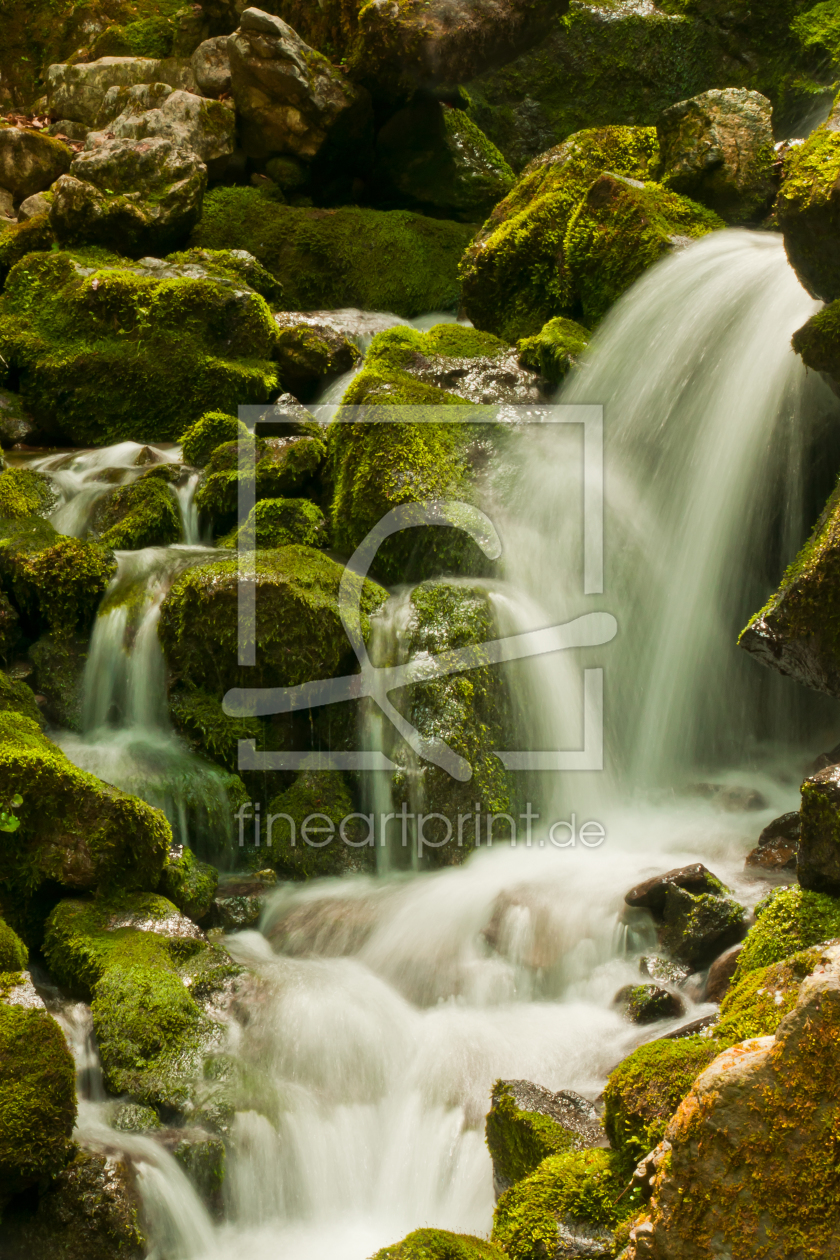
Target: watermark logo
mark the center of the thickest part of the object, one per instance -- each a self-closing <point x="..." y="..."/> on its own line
<point x="376" y="683"/>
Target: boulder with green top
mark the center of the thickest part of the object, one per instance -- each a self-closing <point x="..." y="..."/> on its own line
<point x="13" y="953"/>
<point x="808" y="209"/>
<point x="555" y="349"/>
<point x="282" y="466"/>
<point x="439" y="1244"/>
<point x="435" y="157"/>
<point x="212" y="430"/>
<point x="648" y="1003"/>
<point x="312" y="829"/>
<point x="279" y="523"/>
<point x="17" y="697"/>
<point x="142" y="514"/>
<point x="30" y="161"/>
<point x="797" y="632"/>
<point x="309" y="348"/>
<point x="104" y="353"/>
<point x="788" y="921"/>
<point x="33" y="235"/>
<point x="25" y="492"/>
<point x="298" y="629"/>
<point x="54" y="582"/>
<point x="323" y="257"/>
<point x="189" y="884"/>
<point x="526" y="1123"/>
<point x="717" y="148"/>
<point x="150" y="975"/>
<point x="136" y="196"/>
<point x="748" y="1157"/>
<point x="818" y="859"/>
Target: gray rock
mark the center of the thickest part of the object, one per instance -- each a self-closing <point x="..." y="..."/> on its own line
<point x="818" y="862"/>
<point x="7" y="206"/>
<point x="310" y="349"/>
<point x="77" y="93"/>
<point x="66" y="129"/>
<point x="288" y="97"/>
<point x="718" y="149"/>
<point x="190" y="122"/>
<point x="30" y="161"/>
<point x="136" y="196"/>
<point x="665" y="970"/>
<point x="37" y="204"/>
<point x="211" y="66"/>
<point x="583" y="1240"/>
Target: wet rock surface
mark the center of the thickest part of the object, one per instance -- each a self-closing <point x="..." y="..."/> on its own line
<point x="818" y="856"/>
<point x="647" y="1003"/>
<point x="778" y="845"/>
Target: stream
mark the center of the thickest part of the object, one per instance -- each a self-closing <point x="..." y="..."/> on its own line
<point x="374" y="1053"/>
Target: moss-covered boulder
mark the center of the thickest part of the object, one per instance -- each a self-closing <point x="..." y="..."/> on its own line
<point x="797" y="632"/>
<point x="648" y="1003"/>
<point x="788" y="921"/>
<point x="818" y="855"/>
<point x="439" y="1244"/>
<point x="298" y="631"/>
<point x="75" y="831"/>
<point x="818" y="342"/>
<point x="808" y="209"/>
<point x="59" y="661"/>
<point x="645" y="1090"/>
<point x="280" y="522"/>
<point x="189" y="884"/>
<point x="17" y="697"/>
<point x="526" y="1124"/>
<point x="104" y="352"/>
<point x="25" y="492"/>
<point x="37" y="1096"/>
<point x="310" y="349"/>
<point x="55" y="583"/>
<point x="749" y="1163"/>
<point x="90" y="1211"/>
<point x="201" y="721"/>
<point x="323" y="257"/>
<point x="32" y="236"/>
<point x="211" y="430"/>
<point x="555" y="349"/>
<point x="312" y="829"/>
<point x="149" y="973"/>
<point x="515" y="276"/>
<point x="436" y="157"/>
<point x="142" y="514"/>
<point x="282" y="467"/>
<point x="570" y="1205"/>
<point x="30" y="161"/>
<point x="13" y="953"/>
<point x="757" y="1002"/>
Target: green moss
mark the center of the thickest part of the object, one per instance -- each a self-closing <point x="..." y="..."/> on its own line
<point x="74" y="830"/>
<point x="298" y="629"/>
<point x="189" y="884"/>
<point x="515" y="276"/>
<point x="59" y="662"/>
<point x="37" y="1097"/>
<point x="323" y="257"/>
<point x="587" y="1186"/>
<point x="619" y="230"/>
<point x="284" y="467"/>
<point x="555" y="349"/>
<point x="806" y="209"/>
<point x="237" y="265"/>
<point x="148" y="37"/>
<point x="280" y="522"/>
<point x="322" y="793"/>
<point x="213" y="429"/>
<point x="519" y="1141"/>
<point x="14" y="955"/>
<point x="33" y="235"/>
<point x="143" y="514"/>
<point x="199" y="717"/>
<point x="439" y="1244"/>
<point x="25" y="492"/>
<point x="818" y="341"/>
<point x="54" y="582"/>
<point x="757" y="1003"/>
<point x="147" y="981"/>
<point x="17" y="697"/>
<point x="113" y="354"/>
<point x="645" y="1090"/>
<point x="819" y="29"/>
<point x="790" y="921"/>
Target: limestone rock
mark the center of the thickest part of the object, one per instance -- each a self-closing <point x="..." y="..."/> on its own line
<point x="751" y="1149"/>
<point x="137" y="196"/>
<point x="77" y="92"/>
<point x="211" y="66"/>
<point x="37" y="204"/>
<point x="30" y="161"/>
<point x="191" y="123"/>
<point x="718" y="149"/>
<point x="435" y="156"/>
<point x="777" y="845"/>
<point x="288" y="97"/>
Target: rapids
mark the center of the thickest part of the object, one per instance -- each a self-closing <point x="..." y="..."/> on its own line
<point x="371" y="1056"/>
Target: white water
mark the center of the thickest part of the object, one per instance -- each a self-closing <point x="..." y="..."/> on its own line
<point x="374" y="1037"/>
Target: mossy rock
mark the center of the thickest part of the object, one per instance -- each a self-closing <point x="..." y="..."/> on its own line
<point x="148" y="973"/>
<point x="200" y="720"/>
<point x="756" y="1004"/>
<point x="25" y="492"/>
<point x="581" y="1191"/>
<point x="213" y="429"/>
<point x="75" y="831"/>
<point x="32" y="236"/>
<point x="818" y="342"/>
<point x="18" y="697"/>
<point x="14" y="955"/>
<point x="515" y="276"/>
<point x="555" y="349"/>
<point x="645" y="1090"/>
<point x="789" y="921"/>
<point x="519" y="1139"/>
<point x="55" y="583"/>
<point x="37" y="1097"/>
<point x="283" y="467"/>
<point x="105" y="353"/>
<point x="142" y="514"/>
<point x="323" y="257"/>
<point x="189" y="884"/>
<point x="59" y="661"/>
<point x="808" y="210"/>
<point x="439" y="1244"/>
<point x="298" y="630"/>
<point x="235" y="265"/>
<point x="281" y="522"/>
<point x="619" y="230"/>
<point x="334" y="841"/>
